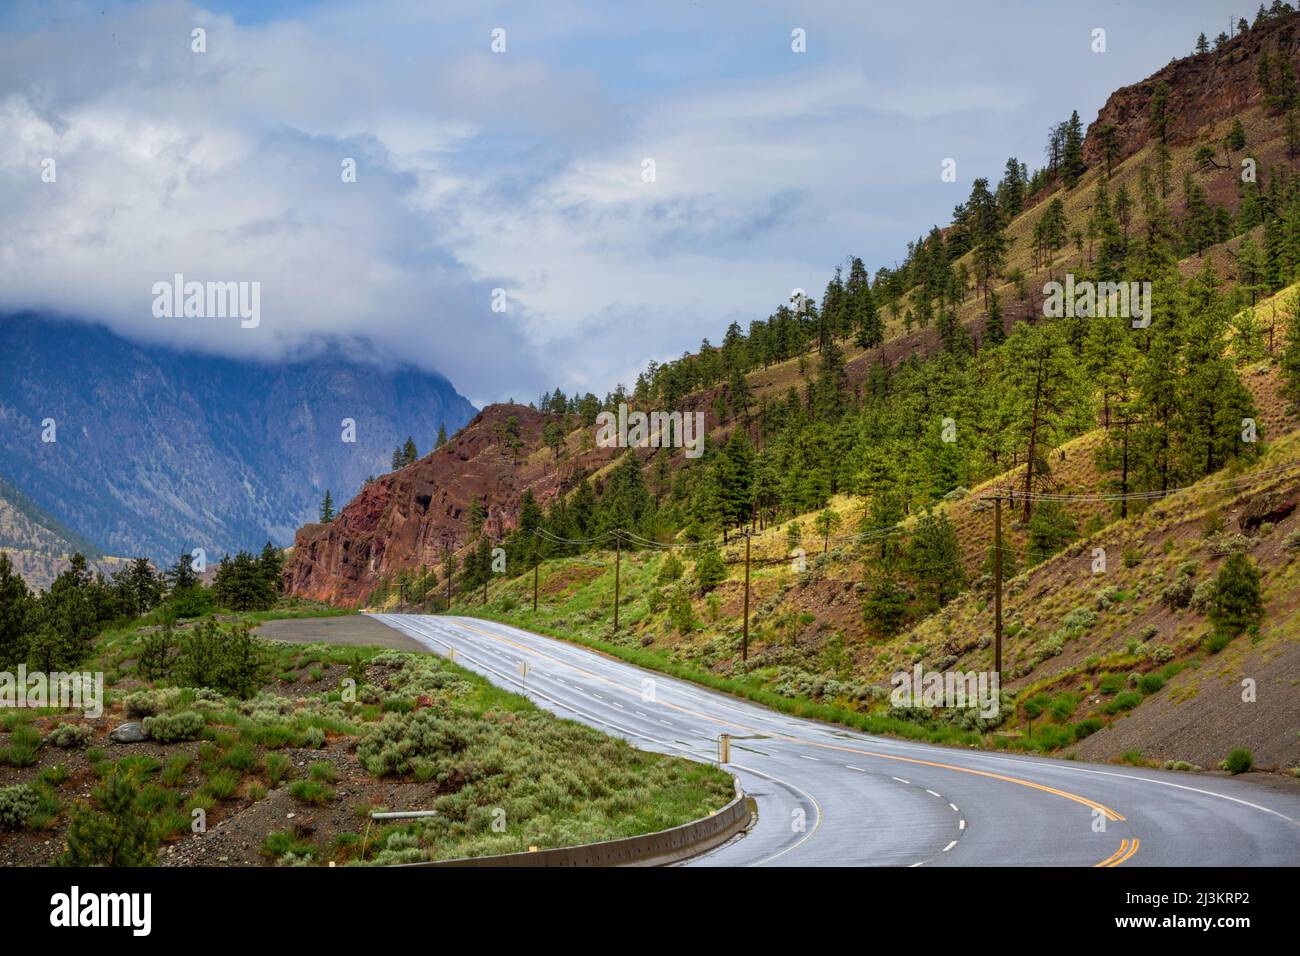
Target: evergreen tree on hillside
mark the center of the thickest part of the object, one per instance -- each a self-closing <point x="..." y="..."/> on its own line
<point x="934" y="560"/>
<point x="327" y="507"/>
<point x="63" y="626"/>
<point x="181" y="575"/>
<point x="1072" y="164"/>
<point x="1290" y="360"/>
<point x="397" y="459"/>
<point x="994" y="331"/>
<point x="442" y="435"/>
<point x="1040" y="383"/>
<point x="16" y="605"/>
<point x="409" y="454"/>
<point x="1159" y="112"/>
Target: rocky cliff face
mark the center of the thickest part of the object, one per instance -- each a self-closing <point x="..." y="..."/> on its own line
<point x="1203" y="90"/>
<point x="407" y="518"/>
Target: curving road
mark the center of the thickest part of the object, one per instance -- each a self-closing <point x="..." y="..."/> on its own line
<point x="834" y="797"/>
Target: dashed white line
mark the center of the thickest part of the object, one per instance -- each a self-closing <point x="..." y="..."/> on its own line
<point x="954" y="808"/>
<point x="950" y="846"/>
<point x="961" y="824"/>
<point x="901" y="780"/>
<point x="806" y="757"/>
<point x="933" y="794"/>
<point x="639" y="714"/>
<point x="849" y="766"/>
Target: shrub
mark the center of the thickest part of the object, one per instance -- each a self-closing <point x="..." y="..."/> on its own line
<point x="71" y="735"/>
<point x="1080" y="619"/>
<point x="672" y="569"/>
<point x="17" y="803"/>
<point x="1239" y="761"/>
<point x="1089" y="725"/>
<point x="277" y="768"/>
<point x="310" y="791"/>
<point x="323" y="771"/>
<point x="1160" y="653"/>
<point x="1111" y="683"/>
<point x="680" y="611"/>
<point x="394" y="746"/>
<point x="1177" y="594"/>
<point x="1150" y="683"/>
<point x="1125" y="701"/>
<point x="221" y="784"/>
<point x="116" y="834"/>
<point x="1200" y="602"/>
<point x="169" y="728"/>
<point x="24" y="747"/>
<point x="147" y="703"/>
<point x="314" y="738"/>
<point x="1217" y="641"/>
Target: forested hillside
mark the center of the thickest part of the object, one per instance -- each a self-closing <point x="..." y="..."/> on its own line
<point x="857" y="425"/>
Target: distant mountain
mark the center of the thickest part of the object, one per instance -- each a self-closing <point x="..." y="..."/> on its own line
<point x="39" y="546"/>
<point x="159" y="451"/>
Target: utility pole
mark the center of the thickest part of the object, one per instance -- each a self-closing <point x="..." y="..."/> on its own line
<point x="744" y="640"/>
<point x="618" y="559"/>
<point x="534" y="571"/>
<point x="997" y="585"/>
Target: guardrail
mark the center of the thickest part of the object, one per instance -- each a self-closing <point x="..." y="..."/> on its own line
<point x="649" y="849"/>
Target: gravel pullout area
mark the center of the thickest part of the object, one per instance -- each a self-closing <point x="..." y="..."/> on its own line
<point x="355" y="630"/>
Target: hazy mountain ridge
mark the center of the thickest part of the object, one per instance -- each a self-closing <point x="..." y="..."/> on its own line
<point x="159" y="451"/>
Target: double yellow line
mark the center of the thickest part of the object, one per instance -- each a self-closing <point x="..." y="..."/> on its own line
<point x="1126" y="850"/>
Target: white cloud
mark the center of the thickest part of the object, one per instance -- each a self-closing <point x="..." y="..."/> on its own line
<point x="520" y="170"/>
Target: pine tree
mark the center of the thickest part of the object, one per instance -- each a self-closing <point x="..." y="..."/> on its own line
<point x="994" y="331"/>
<point x="409" y="454"/>
<point x="1040" y="384"/>
<point x="327" y="508"/>
<point x="1159" y="112"/>
<point x="934" y="560"/>
<point x="1072" y="164"/>
<point x="442" y="435"/>
<point x="710" y="570"/>
<point x="827" y="523"/>
<point x="1290" y="359"/>
<point x="16" y="605"/>
<point x="1236" y="602"/>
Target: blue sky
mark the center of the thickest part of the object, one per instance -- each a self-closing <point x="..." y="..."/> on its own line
<point x="518" y="170"/>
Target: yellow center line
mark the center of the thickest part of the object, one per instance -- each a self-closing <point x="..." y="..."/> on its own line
<point x="1105" y="810"/>
<point x="1123" y="845"/>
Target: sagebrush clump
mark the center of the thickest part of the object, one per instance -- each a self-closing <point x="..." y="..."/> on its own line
<point x="17" y="803"/>
<point x="169" y="728"/>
